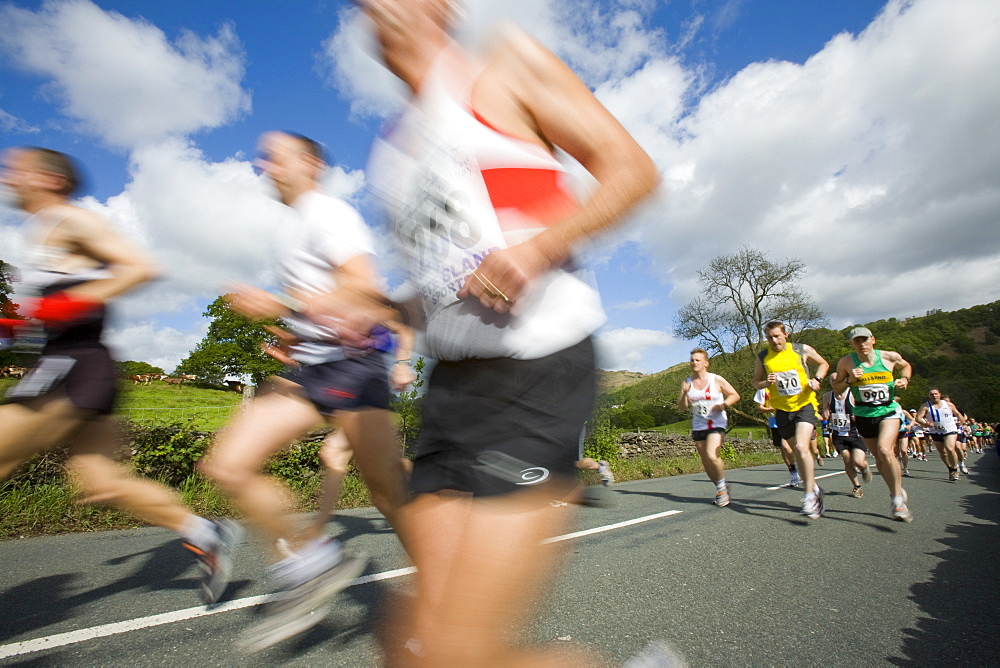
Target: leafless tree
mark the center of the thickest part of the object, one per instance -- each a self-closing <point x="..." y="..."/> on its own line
<point x="740" y="293"/>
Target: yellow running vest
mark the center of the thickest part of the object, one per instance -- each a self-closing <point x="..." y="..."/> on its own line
<point x="791" y="391"/>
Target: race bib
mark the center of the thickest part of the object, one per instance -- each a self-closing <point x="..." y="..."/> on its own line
<point x="874" y="395"/>
<point x="701" y="408"/>
<point x="788" y="383"/>
<point x="43" y="377"/>
<point x="840" y="422"/>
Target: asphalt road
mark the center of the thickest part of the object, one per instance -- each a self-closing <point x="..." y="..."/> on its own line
<point x="752" y="584"/>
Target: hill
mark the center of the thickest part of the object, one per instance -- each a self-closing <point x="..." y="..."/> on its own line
<point x="613" y="380"/>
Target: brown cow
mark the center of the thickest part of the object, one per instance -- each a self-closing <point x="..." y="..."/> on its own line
<point x="173" y="381"/>
<point x="16" y="371"/>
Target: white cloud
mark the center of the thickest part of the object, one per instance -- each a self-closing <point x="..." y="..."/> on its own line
<point x="121" y="78"/>
<point x="14" y="125"/>
<point x="162" y="347"/>
<point x="624" y="348"/>
<point x="875" y="162"/>
<point x="634" y="306"/>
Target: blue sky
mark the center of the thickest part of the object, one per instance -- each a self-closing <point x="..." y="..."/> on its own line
<point x="857" y="135"/>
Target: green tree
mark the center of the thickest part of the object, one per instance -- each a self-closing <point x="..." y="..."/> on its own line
<point x="406" y="405"/>
<point x="131" y="368"/>
<point x="8" y="275"/>
<point x="232" y="347"/>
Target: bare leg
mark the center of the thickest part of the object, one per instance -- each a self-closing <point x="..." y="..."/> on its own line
<point x="101" y="479"/>
<point x="708" y="450"/>
<point x="850" y="464"/>
<point x="35" y="426"/>
<point x="481" y="564"/>
<point x="803" y="455"/>
<point x="335" y="455"/>
<point x="882" y="447"/>
<point x="377" y="455"/>
<point x="234" y="462"/>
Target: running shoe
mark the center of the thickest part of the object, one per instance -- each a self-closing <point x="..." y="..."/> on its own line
<point x="604" y="470"/>
<point x="906" y="473"/>
<point x="857" y="492"/>
<point x="963" y="468"/>
<point x="295" y="609"/>
<point x="952" y="476"/>
<point x="819" y="461"/>
<point x="216" y="560"/>
<point x="796" y="480"/>
<point x="813" y="507"/>
<point x="722" y="497"/>
<point x="901" y="513"/>
<point x="866" y="473"/>
<point x="656" y="654"/>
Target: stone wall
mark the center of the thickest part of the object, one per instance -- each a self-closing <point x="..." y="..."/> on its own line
<point x="658" y="444"/>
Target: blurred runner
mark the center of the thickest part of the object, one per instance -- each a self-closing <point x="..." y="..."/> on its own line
<point x="478" y="202"/>
<point x="331" y="296"/>
<point x="74" y="264"/>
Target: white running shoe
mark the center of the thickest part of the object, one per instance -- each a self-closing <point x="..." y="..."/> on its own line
<point x="796" y="480"/>
<point x="722" y="497"/>
<point x="813" y="507"/>
<point x="901" y="513"/>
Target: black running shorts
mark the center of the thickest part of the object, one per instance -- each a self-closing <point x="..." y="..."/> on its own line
<point x="787" y="420"/>
<point x="348" y="384"/>
<point x="84" y="374"/>
<point x="495" y="426"/>
<point x="702" y="434"/>
<point x="841" y="443"/>
<point x="868" y="427"/>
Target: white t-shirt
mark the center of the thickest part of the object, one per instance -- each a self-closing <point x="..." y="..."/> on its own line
<point x="326" y="234"/>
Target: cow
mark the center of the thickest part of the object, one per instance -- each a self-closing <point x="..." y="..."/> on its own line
<point x="173" y="381"/>
<point x="142" y="378"/>
<point x="16" y="371"/>
<point x="235" y="386"/>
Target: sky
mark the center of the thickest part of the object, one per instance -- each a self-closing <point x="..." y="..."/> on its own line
<point x="861" y="137"/>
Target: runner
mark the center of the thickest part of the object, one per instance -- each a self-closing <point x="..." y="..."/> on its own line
<point x="783" y="369"/>
<point x="917" y="437"/>
<point x="336" y="452"/>
<point x="74" y="265"/>
<point x="939" y="416"/>
<point x="707" y="395"/>
<point x="476" y="199"/>
<point x="763" y="400"/>
<point x="868" y="373"/>
<point x="902" y="447"/>
<point x="837" y="408"/>
<point x="327" y="271"/>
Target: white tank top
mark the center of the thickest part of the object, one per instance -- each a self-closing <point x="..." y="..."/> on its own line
<point x="702" y="401"/>
<point x="942" y="419"/>
<point x="840" y="420"/>
<point x="456" y="190"/>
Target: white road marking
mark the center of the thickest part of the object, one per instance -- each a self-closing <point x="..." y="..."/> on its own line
<point x="609" y="527"/>
<point x="82" y="635"/>
<point x="817" y="478"/>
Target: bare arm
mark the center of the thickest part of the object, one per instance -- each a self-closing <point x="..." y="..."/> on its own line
<point x="822" y="367"/>
<point x="844" y="374"/>
<point x="90" y="235"/>
<point x="559" y="110"/>
<point x="730" y="395"/>
<point x="759" y="381"/>
<point x="904" y="367"/>
<point x="682" y="401"/>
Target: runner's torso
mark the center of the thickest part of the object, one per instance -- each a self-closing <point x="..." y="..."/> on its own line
<point x="701" y="402"/>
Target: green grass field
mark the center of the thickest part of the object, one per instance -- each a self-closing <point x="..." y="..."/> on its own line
<point x="159" y="403"/>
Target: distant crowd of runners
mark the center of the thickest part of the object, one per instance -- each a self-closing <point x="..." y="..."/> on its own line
<point x="860" y="415"/>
